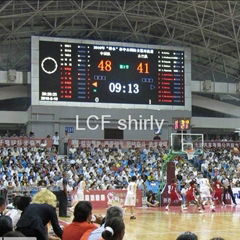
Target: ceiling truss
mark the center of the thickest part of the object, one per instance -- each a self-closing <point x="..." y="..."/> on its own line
<point x="210" y="28"/>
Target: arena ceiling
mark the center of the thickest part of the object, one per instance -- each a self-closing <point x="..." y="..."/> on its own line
<point x="210" y="28"/>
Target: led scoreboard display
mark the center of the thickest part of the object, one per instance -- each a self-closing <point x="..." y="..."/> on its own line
<point x="181" y="124"/>
<point x="103" y="73"/>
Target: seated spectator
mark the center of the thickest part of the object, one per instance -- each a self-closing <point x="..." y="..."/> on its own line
<point x="23" y="202"/>
<point x="96" y="234"/>
<point x="14" y="213"/>
<point x="81" y="222"/>
<point x="5" y="225"/>
<point x="151" y="200"/>
<point x="36" y="216"/>
<point x="157" y="137"/>
<point x="20" y="205"/>
<point x="72" y="150"/>
<point x="151" y="177"/>
<point x="187" y="236"/>
<point x="2" y="205"/>
<point x="114" y="229"/>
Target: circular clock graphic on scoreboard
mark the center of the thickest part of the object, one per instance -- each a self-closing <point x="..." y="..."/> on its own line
<point x="49" y="65"/>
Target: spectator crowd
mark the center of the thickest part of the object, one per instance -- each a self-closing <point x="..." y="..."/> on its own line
<point x="103" y="167"/>
<point x="107" y="167"/>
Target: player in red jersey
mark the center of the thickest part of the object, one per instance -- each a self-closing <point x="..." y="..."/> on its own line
<point x="218" y="191"/>
<point x="191" y="196"/>
<point x="173" y="193"/>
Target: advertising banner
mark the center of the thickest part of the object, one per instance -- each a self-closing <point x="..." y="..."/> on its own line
<point x="24" y="142"/>
<point x="124" y="143"/>
<point x="106" y="198"/>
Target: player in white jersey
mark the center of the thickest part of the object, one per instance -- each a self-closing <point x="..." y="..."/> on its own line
<point x="205" y="192"/>
<point x="80" y="189"/>
<point x="131" y="197"/>
<point x="79" y="196"/>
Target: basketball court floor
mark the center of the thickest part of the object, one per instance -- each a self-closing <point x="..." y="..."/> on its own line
<point x="159" y="224"/>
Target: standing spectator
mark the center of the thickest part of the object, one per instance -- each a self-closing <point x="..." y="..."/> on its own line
<point x="157" y="137"/>
<point x="31" y="134"/>
<point x="36" y="216"/>
<point x="65" y="139"/>
<point x="55" y="139"/>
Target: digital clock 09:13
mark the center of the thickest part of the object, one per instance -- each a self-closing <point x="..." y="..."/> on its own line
<point x="119" y="88"/>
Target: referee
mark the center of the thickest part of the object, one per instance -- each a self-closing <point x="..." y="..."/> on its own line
<point x="227" y="189"/>
<point x="62" y="196"/>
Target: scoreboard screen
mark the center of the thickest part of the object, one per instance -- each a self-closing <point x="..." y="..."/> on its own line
<point x="181" y="124"/>
<point x="110" y="73"/>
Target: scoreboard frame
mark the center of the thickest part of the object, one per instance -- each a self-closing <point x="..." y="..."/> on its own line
<point x="35" y="76"/>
